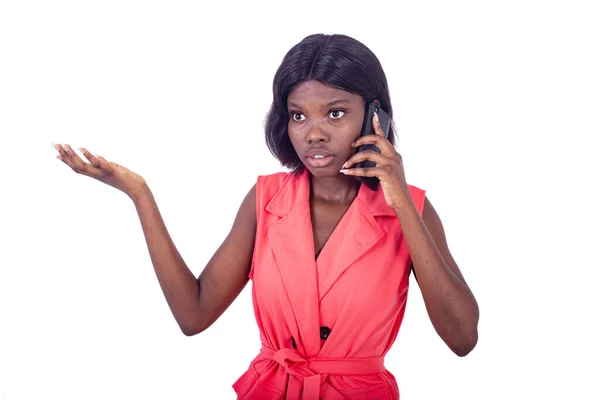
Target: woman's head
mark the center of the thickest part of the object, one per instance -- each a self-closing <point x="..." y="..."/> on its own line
<point x="315" y="72"/>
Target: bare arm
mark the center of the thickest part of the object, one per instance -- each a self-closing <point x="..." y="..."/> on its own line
<point x="451" y="306"/>
<point x="197" y="303"/>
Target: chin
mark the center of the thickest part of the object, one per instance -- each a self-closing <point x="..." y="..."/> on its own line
<point x="323" y="172"/>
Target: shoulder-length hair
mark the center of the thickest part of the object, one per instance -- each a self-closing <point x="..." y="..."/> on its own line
<point x="335" y="60"/>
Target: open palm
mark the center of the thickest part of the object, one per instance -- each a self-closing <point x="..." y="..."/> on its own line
<point x="105" y="171"/>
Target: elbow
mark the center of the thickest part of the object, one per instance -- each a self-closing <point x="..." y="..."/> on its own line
<point x="192" y="329"/>
<point x="466" y="344"/>
<point x="189" y="332"/>
<point x="194" y="323"/>
<point x="467" y="339"/>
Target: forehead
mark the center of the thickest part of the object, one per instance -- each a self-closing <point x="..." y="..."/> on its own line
<point x="317" y="93"/>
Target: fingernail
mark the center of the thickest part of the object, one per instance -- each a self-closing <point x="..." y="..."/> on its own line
<point x="54" y="145"/>
<point x="343" y="171"/>
<point x="345" y="164"/>
<point x="64" y="146"/>
<point x="376" y="117"/>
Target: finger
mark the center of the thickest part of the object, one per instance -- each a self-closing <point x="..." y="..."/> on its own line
<point x="64" y="155"/>
<point x="90" y="157"/>
<point x="97" y="161"/>
<point x="61" y="152"/>
<point x="377" y="125"/>
<point x="105" y="165"/>
<point x="79" y="165"/>
<point x="375" y="171"/>
<point x="381" y="142"/>
<point x="60" y="149"/>
<point x="370" y="155"/>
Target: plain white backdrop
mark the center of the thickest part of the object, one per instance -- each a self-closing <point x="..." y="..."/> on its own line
<point x="497" y="106"/>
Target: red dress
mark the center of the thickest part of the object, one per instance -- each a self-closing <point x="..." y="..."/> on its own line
<point x="325" y="325"/>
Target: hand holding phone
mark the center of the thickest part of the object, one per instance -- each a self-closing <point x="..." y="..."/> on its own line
<point x="367" y="129"/>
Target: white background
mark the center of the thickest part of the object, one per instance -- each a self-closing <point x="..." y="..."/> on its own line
<point x="497" y="105"/>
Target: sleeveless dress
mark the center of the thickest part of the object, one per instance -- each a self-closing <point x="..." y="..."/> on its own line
<point x="326" y="324"/>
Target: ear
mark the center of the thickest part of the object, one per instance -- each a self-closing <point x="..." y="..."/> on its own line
<point x="378" y="103"/>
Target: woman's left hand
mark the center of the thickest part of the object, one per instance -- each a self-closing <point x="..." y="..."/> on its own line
<point x="389" y="169"/>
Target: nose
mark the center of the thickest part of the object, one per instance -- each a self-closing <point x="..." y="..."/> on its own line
<point x="317" y="134"/>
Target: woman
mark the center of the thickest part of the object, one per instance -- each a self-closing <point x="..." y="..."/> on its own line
<point x="329" y="258"/>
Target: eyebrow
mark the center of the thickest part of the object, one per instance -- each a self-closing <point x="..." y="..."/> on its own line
<point x="331" y="103"/>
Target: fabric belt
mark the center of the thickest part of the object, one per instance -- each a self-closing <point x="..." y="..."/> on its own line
<point x="312" y="372"/>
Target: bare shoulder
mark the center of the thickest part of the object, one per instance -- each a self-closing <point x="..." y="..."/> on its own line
<point x="245" y="220"/>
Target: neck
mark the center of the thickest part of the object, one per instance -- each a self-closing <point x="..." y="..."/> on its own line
<point x="339" y="189"/>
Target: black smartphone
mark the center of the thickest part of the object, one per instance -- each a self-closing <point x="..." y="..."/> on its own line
<point x="367" y="129"/>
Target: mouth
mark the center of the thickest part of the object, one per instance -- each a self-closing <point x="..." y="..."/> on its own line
<point x="319" y="158"/>
<point x="319" y="161"/>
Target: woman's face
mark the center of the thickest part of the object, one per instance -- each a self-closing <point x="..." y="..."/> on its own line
<point x="323" y="123"/>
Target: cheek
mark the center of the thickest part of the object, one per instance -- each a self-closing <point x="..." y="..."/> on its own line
<point x="291" y="131"/>
<point x="350" y="131"/>
<point x="294" y="135"/>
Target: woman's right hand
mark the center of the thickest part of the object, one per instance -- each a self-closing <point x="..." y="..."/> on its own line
<point x="107" y="172"/>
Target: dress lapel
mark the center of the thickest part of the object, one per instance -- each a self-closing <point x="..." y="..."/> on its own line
<point x="356" y="233"/>
<point x="306" y="281"/>
<point x="292" y="241"/>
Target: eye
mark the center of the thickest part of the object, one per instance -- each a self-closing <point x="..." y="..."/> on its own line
<point x="296" y="116"/>
<point x="337" y="114"/>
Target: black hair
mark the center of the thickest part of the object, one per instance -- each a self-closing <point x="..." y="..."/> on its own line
<point x="336" y="60"/>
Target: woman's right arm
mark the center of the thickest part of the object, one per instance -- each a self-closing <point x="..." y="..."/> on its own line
<point x="197" y="303"/>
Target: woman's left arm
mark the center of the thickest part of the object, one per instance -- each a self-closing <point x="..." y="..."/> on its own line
<point x="450" y="304"/>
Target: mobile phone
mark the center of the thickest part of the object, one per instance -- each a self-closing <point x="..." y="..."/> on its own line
<point x="367" y="129"/>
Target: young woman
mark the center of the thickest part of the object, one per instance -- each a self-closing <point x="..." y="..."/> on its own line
<point x="329" y="258"/>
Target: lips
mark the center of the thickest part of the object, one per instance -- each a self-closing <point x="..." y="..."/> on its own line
<point x="319" y="157"/>
<point x="318" y="153"/>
